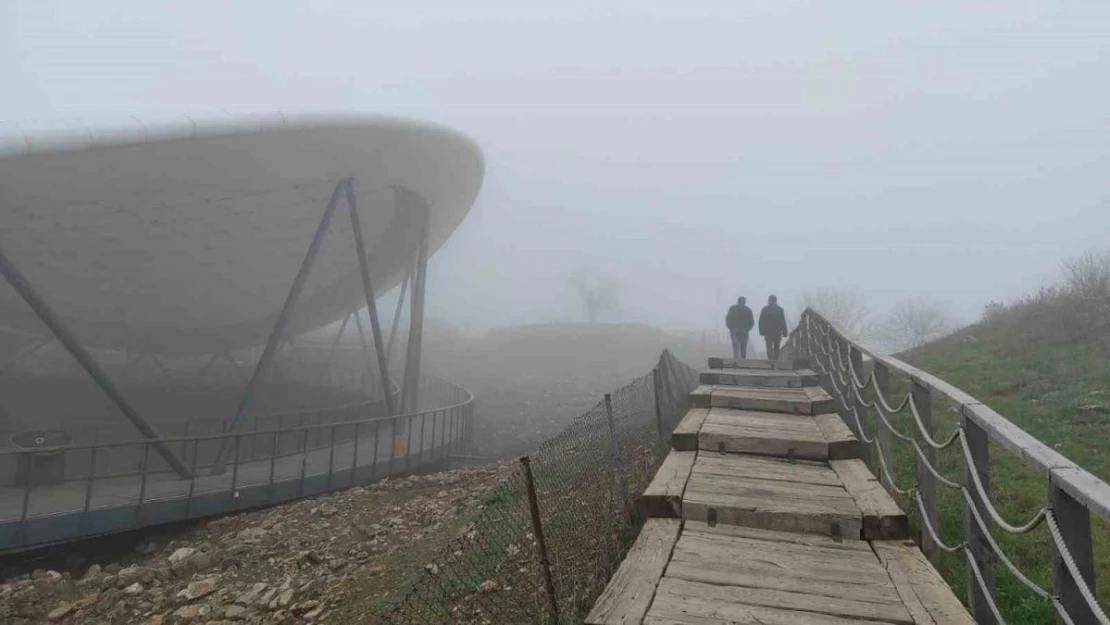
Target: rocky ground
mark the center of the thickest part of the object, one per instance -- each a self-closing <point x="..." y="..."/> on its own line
<point x="288" y="564"/>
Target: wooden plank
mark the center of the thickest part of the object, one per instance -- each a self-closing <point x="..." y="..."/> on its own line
<point x="765" y="468"/>
<point x="775" y="421"/>
<point x="923" y="591"/>
<point x="759" y="363"/>
<point x="744" y="363"/>
<point x="782" y="572"/>
<point x="787" y="558"/>
<point x="685" y="435"/>
<point x="628" y="595"/>
<point x="808" y="401"/>
<point x="675" y="610"/>
<point x="663" y="497"/>
<point x="855" y="547"/>
<point x="701" y="396"/>
<point x="772" y="513"/>
<point x="727" y="601"/>
<point x="882" y="518"/>
<point x="834" y="497"/>
<point x="771" y="378"/>
<point x="843" y="445"/>
<point x="762" y="433"/>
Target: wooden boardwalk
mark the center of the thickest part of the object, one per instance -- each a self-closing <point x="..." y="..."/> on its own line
<point x="764" y="514"/>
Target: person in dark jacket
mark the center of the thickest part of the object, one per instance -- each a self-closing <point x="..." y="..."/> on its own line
<point x="739" y="321"/>
<point x="772" y="326"/>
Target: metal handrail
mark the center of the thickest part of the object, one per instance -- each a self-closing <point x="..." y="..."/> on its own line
<point x="425" y="437"/>
<point x="228" y="435"/>
<point x="1074" y="493"/>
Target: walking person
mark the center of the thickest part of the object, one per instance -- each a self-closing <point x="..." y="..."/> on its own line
<point x="772" y="327"/>
<point x="739" y="321"/>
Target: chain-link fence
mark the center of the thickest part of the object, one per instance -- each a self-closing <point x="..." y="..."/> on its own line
<point x="545" y="541"/>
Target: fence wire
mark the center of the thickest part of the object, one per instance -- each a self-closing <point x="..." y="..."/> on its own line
<point x="586" y="480"/>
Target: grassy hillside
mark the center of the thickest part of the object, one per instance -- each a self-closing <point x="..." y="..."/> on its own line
<point x="1054" y="382"/>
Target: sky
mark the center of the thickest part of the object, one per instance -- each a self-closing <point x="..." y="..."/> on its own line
<point x="955" y="151"/>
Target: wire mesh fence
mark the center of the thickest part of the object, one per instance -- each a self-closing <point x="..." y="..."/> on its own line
<point x="546" y="539"/>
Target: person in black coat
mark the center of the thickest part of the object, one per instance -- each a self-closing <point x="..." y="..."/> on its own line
<point x="739" y="321"/>
<point x="772" y="326"/>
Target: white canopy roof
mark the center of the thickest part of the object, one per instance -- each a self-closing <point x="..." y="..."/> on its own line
<point x="185" y="238"/>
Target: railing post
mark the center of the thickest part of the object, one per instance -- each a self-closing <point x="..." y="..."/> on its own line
<point x="1074" y="521"/>
<point x="977" y="442"/>
<point x="658" y="411"/>
<point x="926" y="482"/>
<point x="541" y="543"/>
<point x="885" y="440"/>
<point x="615" y="454"/>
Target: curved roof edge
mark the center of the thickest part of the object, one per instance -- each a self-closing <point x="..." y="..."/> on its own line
<point x="30" y="138"/>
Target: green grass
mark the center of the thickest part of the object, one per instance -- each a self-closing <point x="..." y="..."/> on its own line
<point x="1041" y="390"/>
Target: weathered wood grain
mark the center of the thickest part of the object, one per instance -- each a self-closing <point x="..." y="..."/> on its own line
<point x="759" y="363"/>
<point x="843" y="445"/>
<point x="922" y="590"/>
<point x="857" y="548"/>
<point x="882" y="518"/>
<point x="732" y="604"/>
<point x="685" y="435"/>
<point x="807" y="400"/>
<point x="762" y="433"/>
<point x="663" y="496"/>
<point x="771" y="378"/>
<point x="766" y="468"/>
<point x="701" y="397"/>
<point x="629" y="594"/>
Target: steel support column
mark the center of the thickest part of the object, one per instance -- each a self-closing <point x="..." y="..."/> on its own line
<point x="85" y="359"/>
<point x="362" y="340"/>
<point x="278" y="332"/>
<point x="368" y="289"/>
<point x="397" y="314"/>
<point x="338" y="336"/>
<point x="411" y="392"/>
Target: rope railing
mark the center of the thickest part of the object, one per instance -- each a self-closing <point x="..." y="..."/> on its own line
<point x="840" y="363"/>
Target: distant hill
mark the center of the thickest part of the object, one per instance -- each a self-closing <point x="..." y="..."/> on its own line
<point x="532" y="380"/>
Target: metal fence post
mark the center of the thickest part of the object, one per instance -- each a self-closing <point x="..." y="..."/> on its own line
<point x="1074" y="520"/>
<point x="977" y="596"/>
<point x="926" y="482"/>
<point x="541" y="543"/>
<point x="658" y="411"/>
<point x="885" y="440"/>
<point x="615" y="455"/>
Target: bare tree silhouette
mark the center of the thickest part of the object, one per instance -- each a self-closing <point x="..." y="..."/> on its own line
<point x="597" y="293"/>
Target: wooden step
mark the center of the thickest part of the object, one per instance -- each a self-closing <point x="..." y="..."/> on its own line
<point x="769" y="378"/>
<point x="843" y="444"/>
<point x="685" y="435"/>
<point x="882" y="518"/>
<point x="630" y="591"/>
<point x="927" y="597"/>
<point x="762" y="433"/>
<point x="663" y="496"/>
<point x="809" y="400"/>
<point x="758" y="363"/>
<point x="769" y="493"/>
<point x="728" y="574"/>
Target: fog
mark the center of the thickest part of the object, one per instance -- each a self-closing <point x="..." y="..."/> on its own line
<point x="954" y="151"/>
